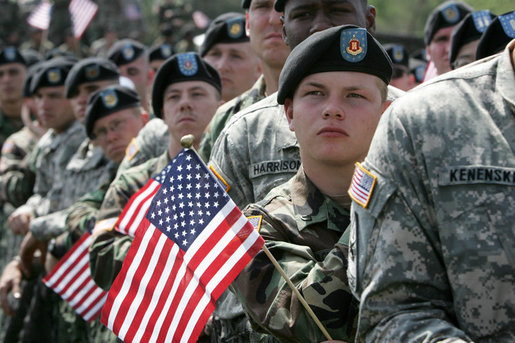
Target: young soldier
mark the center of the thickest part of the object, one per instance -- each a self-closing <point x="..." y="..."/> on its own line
<point x="333" y="87"/>
<point x="226" y="47"/>
<point x="431" y="247"/>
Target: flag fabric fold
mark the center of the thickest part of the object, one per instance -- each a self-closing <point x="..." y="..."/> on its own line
<point x="188" y="247"/>
<point x="40" y="17"/>
<point x="71" y="279"/>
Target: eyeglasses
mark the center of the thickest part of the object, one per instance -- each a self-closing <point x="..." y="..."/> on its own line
<point x="114" y="126"/>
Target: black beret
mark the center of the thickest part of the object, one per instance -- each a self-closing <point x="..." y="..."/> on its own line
<point x="160" y="52"/>
<point x="418" y="69"/>
<point x="125" y="51"/>
<point x="53" y="73"/>
<point x="90" y="70"/>
<point x="226" y="28"/>
<point x="106" y="101"/>
<point x="496" y="36"/>
<point x="447" y="14"/>
<point x="397" y="53"/>
<point x="245" y="4"/>
<point x="10" y="54"/>
<point x="183" y="67"/>
<point x="33" y="70"/>
<point x="340" y="48"/>
<point x="469" y="29"/>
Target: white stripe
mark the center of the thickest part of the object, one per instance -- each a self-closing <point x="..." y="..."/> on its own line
<point x="135" y="303"/>
<point x="95" y="309"/>
<point x="211" y="257"/>
<point x="135" y="204"/>
<point x="170" y="262"/>
<point x="71" y="274"/>
<point x="90" y="299"/>
<point x="70" y="261"/>
<point x="135" y="224"/>
<point x="74" y="286"/>
<point x="216" y="280"/>
<point x="128" y="278"/>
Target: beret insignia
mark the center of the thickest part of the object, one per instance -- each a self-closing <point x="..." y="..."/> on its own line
<point x="109" y="98"/>
<point x="10" y="53"/>
<point x="508" y="24"/>
<point x="397" y="53"/>
<point x="451" y="13"/>
<point x="128" y="52"/>
<point x="353" y="45"/>
<point x="187" y="64"/>
<point x="235" y="28"/>
<point x="166" y="50"/>
<point x="481" y="20"/>
<point x="92" y="72"/>
<point x="53" y="75"/>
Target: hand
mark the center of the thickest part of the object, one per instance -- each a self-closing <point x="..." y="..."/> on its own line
<point x="10" y="282"/>
<point x="28" y="250"/>
<point x="19" y="221"/>
<point x="50" y="262"/>
<point x="34" y="126"/>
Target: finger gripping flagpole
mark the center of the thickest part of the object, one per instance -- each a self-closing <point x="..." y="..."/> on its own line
<point x="187" y="142"/>
<point x="297" y="293"/>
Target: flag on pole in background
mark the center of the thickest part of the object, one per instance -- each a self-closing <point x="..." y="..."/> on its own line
<point x="71" y="279"/>
<point x="190" y="245"/>
<point x="82" y="12"/>
<point x="40" y="17"/>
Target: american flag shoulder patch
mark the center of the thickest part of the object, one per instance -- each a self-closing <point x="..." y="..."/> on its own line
<point x="362" y="185"/>
<point x="132" y="149"/>
<point x="255" y="221"/>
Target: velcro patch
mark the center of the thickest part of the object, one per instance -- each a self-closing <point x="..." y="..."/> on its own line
<point x="362" y="185"/>
<point x="132" y="149"/>
<point x="255" y="221"/>
<point x="104" y="225"/>
<point x="224" y="183"/>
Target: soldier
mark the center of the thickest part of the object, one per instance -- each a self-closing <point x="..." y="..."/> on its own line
<point x="465" y="37"/>
<point x="438" y="29"/>
<point x="334" y="88"/>
<point x="264" y="28"/>
<point x="226" y="47"/>
<point x="158" y="55"/>
<point x="400" y="60"/>
<point x="186" y="93"/>
<point x="431" y="248"/>
<point x="499" y="33"/>
<point x="132" y="59"/>
<point x="250" y="164"/>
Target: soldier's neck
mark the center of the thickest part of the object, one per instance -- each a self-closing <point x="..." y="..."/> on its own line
<point x="271" y="76"/>
<point x="332" y="180"/>
<point x="12" y="109"/>
<point x="174" y="147"/>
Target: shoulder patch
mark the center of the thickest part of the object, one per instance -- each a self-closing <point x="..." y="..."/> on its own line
<point x="7" y="147"/>
<point x="362" y="185"/>
<point x="224" y="183"/>
<point x="104" y="225"/>
<point x="255" y="221"/>
<point x="132" y="149"/>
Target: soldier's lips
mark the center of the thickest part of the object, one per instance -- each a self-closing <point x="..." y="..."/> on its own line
<point x="274" y="36"/>
<point x="332" y="132"/>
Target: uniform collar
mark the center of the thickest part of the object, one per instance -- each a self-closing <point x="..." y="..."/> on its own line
<point x="310" y="206"/>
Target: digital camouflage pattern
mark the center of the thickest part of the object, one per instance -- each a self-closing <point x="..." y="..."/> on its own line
<point x="432" y="256"/>
<point x="256" y="151"/>
<point x="226" y="112"/>
<point x="152" y="141"/>
<point x="301" y="227"/>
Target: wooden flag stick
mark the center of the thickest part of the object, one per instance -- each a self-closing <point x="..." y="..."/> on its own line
<point x="187" y="142"/>
<point x="297" y="293"/>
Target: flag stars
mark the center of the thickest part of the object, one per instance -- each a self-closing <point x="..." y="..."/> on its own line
<point x="201" y="221"/>
<point x="193" y="231"/>
<point x="183" y="224"/>
<point x="188" y="167"/>
<point x="197" y="195"/>
<point x="175" y="217"/>
<point x="190" y="204"/>
<point x="216" y="195"/>
<point x="197" y="176"/>
<point x="179" y="168"/>
<point x="179" y="177"/>
<point x="188" y="186"/>
<point x="184" y="233"/>
<point x="181" y="205"/>
<point x="182" y="214"/>
<point x="167" y="219"/>
<point x="192" y="222"/>
<point x="176" y="226"/>
<point x="160" y="221"/>
<point x="215" y="204"/>
<point x="188" y="196"/>
<point x="168" y="228"/>
<point x="176" y="235"/>
<point x="184" y="242"/>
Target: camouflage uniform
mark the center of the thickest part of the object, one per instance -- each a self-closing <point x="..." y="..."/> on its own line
<point x="301" y="226"/>
<point x="226" y="112"/>
<point x="432" y="255"/>
<point x="256" y="151"/>
<point x="152" y="141"/>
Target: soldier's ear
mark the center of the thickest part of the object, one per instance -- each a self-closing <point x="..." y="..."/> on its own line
<point x="288" y="110"/>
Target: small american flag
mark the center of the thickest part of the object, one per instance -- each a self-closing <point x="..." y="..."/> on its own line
<point x="71" y="279"/>
<point x="362" y="185"/>
<point x="189" y="247"/>
<point x="40" y="17"/>
<point x="82" y="12"/>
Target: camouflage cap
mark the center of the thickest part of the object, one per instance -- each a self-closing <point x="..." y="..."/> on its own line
<point x="106" y="101"/>
<point x="125" y="51"/>
<point x="160" y="52"/>
<point x="497" y="35"/>
<point x="226" y="28"/>
<point x="447" y="14"/>
<point x="183" y="67"/>
<point x="397" y="53"/>
<point x="10" y="54"/>
<point x="90" y="70"/>
<point x="469" y="29"/>
<point x="52" y="73"/>
<point x="340" y="48"/>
